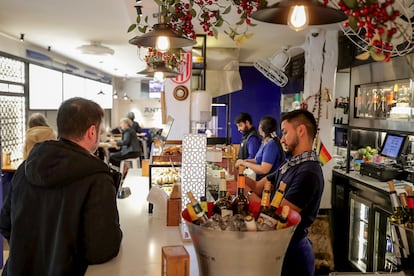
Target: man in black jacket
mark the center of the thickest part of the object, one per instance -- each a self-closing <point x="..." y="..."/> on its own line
<point x="61" y="214"/>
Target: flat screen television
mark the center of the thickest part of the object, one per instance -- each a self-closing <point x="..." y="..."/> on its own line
<point x="393" y="145"/>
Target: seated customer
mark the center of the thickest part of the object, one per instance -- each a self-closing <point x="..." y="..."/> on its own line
<point x="37" y="132"/>
<point x="129" y="145"/>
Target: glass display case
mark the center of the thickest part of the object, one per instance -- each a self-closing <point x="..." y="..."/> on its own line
<point x="385" y="100"/>
<point x="163" y="176"/>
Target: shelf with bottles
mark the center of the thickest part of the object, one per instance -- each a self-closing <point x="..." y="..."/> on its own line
<point x="385" y="100"/>
<point x="341" y="111"/>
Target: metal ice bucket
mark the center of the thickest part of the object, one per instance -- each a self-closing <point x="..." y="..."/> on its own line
<point x="240" y="253"/>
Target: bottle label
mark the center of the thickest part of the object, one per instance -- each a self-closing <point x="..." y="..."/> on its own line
<point x="277" y="199"/>
<point x="265" y="198"/>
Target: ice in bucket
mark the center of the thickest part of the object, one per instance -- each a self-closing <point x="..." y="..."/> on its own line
<point x="240" y="253"/>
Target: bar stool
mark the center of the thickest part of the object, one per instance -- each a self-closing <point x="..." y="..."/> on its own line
<point x="175" y="261"/>
<point x="135" y="163"/>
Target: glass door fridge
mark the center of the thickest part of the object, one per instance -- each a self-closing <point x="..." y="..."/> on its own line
<point x="360" y="226"/>
<point x="371" y="247"/>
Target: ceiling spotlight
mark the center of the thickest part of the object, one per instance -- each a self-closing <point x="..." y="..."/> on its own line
<point x="115" y="96"/>
<point x="298" y="14"/>
<point x="125" y="97"/>
<point x="21" y="37"/>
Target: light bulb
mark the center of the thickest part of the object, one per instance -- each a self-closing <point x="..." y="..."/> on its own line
<point x="162" y="43"/>
<point x="159" y="76"/>
<point x="298" y="17"/>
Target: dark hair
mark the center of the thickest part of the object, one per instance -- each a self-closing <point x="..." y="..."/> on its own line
<point x="302" y="116"/>
<point x="130" y="115"/>
<point x="37" y="119"/>
<point x="268" y="124"/>
<point x="76" y="115"/>
<point x="243" y="117"/>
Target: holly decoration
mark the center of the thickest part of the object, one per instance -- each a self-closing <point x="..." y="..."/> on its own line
<point x="210" y="14"/>
<point x="376" y="22"/>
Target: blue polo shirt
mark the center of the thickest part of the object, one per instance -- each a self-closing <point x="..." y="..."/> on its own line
<point x="270" y="153"/>
<point x="304" y="178"/>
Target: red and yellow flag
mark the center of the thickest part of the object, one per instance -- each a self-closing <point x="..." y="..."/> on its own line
<point x="324" y="155"/>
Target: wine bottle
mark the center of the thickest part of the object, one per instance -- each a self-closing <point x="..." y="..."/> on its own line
<point x="240" y="203"/>
<point x="283" y="218"/>
<point x="410" y="205"/>
<point x="202" y="217"/>
<point x="223" y="205"/>
<point x="267" y="219"/>
<point x="397" y="210"/>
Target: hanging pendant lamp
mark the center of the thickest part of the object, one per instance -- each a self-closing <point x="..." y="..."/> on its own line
<point x="316" y="13"/>
<point x="162" y="33"/>
<point x="157" y="68"/>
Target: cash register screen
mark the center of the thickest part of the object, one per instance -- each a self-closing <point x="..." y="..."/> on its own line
<point x="393" y="145"/>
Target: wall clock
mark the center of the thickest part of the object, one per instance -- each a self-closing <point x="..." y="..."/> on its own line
<point x="180" y="93"/>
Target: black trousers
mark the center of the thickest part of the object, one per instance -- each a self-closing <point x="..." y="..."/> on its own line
<point x="116" y="158"/>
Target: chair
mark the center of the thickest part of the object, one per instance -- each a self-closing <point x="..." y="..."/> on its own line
<point x="135" y="163"/>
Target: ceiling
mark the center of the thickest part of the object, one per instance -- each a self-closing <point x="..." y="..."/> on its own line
<point x="66" y="25"/>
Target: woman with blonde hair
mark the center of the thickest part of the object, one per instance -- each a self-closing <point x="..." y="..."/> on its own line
<point x="38" y="131"/>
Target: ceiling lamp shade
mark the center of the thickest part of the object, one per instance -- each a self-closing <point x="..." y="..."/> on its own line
<point x="315" y="13"/>
<point x="95" y="48"/>
<point x="162" y="32"/>
<point x="159" y="71"/>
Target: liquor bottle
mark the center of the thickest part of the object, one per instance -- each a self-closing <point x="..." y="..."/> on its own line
<point x="397" y="210"/>
<point x="202" y="217"/>
<point x="240" y="203"/>
<point x="265" y="203"/>
<point x="267" y="219"/>
<point x="223" y="205"/>
<point x="203" y="204"/>
<point x="283" y="218"/>
<point x="192" y="213"/>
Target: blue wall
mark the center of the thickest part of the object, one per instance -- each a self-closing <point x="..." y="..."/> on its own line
<point x="259" y="97"/>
